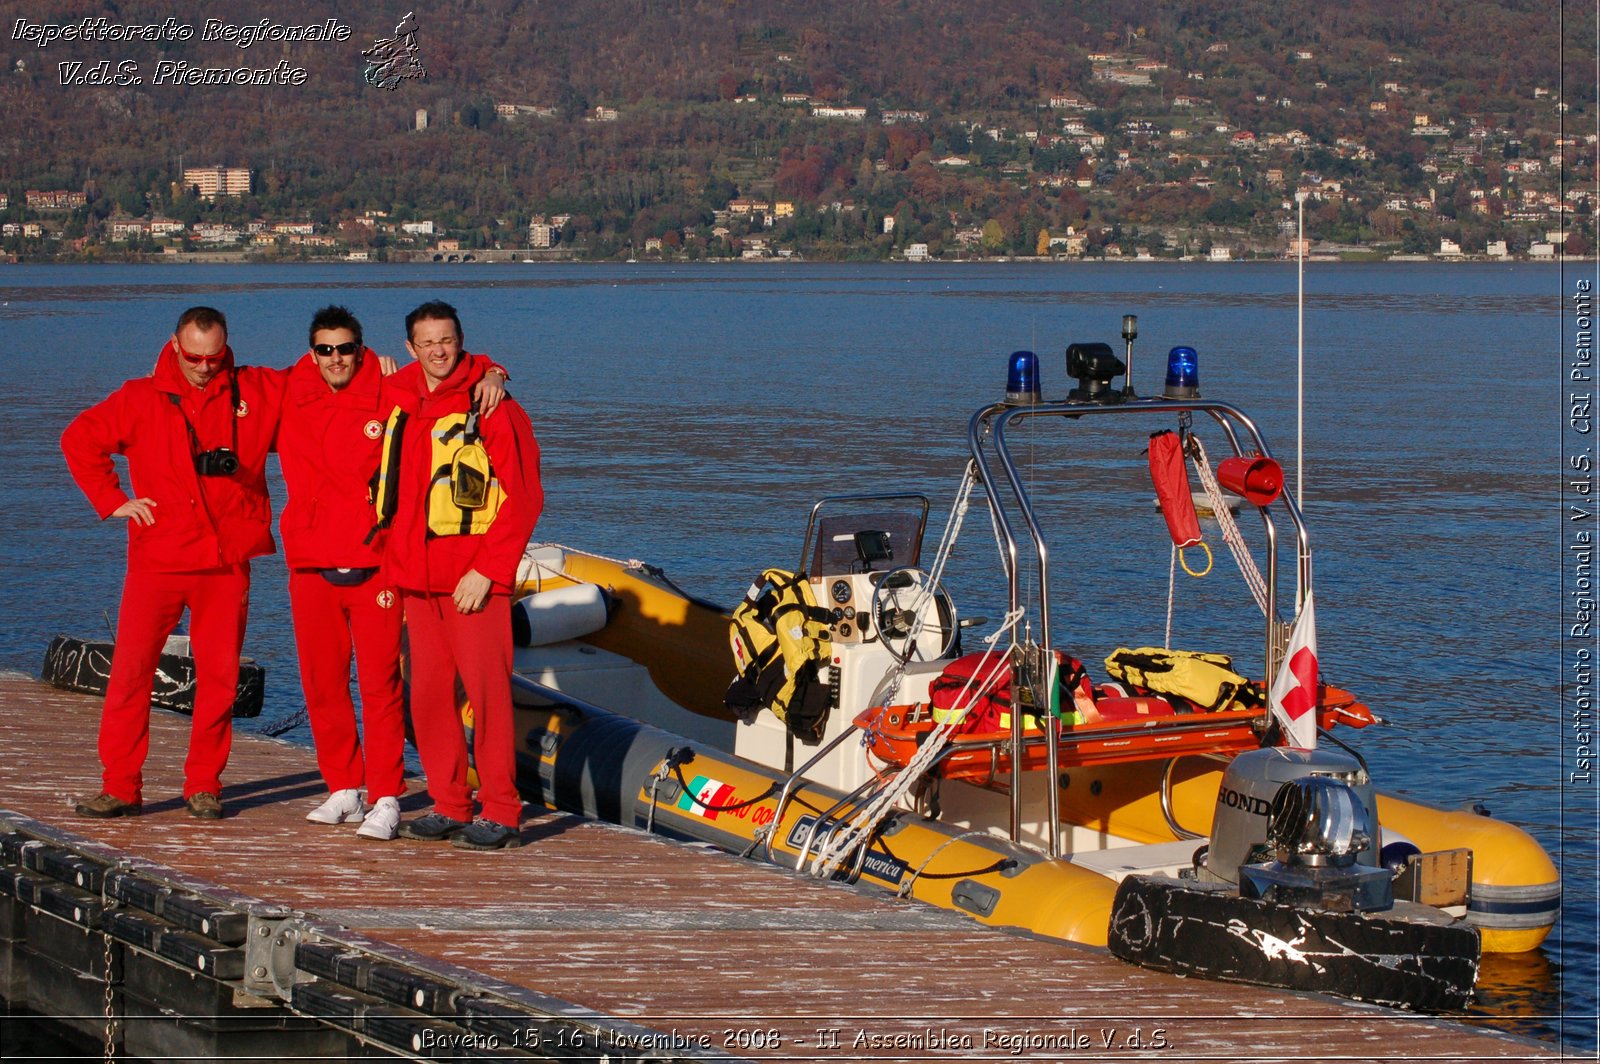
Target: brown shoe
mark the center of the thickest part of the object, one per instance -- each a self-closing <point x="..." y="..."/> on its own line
<point x="204" y="804"/>
<point x="105" y="805"/>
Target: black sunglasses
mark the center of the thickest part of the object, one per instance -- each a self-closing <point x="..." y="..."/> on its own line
<point x="349" y="347"/>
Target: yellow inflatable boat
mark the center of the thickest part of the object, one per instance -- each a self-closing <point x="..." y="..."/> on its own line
<point x="1189" y="818"/>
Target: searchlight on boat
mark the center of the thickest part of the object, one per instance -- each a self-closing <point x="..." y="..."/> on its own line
<point x="1022" y="379"/>
<point x="1183" y="374"/>
<point x="1094" y="367"/>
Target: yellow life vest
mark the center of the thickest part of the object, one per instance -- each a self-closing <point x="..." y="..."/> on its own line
<point x="779" y="638"/>
<point x="1208" y="680"/>
<point x="464" y="494"/>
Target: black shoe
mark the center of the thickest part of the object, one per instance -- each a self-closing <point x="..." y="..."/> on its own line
<point x="204" y="805"/>
<point x="435" y="827"/>
<point x="105" y="805"/>
<point x="487" y="835"/>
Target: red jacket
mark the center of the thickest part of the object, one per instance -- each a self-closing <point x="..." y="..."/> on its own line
<point x="419" y="562"/>
<point x="200" y="522"/>
<point x="328" y="443"/>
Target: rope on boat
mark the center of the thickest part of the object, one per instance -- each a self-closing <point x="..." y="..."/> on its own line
<point x="626" y="563"/>
<point x="999" y="865"/>
<point x="860" y="828"/>
<point x="1230" y="528"/>
<point x="1172" y="594"/>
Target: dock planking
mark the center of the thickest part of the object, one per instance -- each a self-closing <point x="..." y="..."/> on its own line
<point x="717" y="956"/>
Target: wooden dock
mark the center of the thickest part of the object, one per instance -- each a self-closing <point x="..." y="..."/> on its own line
<point x="261" y="936"/>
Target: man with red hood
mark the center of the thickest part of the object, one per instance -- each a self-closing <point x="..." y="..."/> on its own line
<point x="329" y="441"/>
<point x="461" y="495"/>
<point x="195" y="434"/>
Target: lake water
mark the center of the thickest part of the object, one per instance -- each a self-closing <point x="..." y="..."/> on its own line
<point x="690" y="416"/>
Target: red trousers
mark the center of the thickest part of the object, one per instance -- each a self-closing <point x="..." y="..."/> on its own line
<point x="477" y="647"/>
<point x="330" y="622"/>
<point x="152" y="604"/>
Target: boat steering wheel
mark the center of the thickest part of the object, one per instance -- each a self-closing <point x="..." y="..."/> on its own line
<point x="899" y="614"/>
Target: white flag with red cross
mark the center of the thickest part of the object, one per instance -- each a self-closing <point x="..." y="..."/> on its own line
<point x="1293" y="698"/>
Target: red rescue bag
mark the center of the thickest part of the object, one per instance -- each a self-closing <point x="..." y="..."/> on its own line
<point x="1171" y="478"/>
<point x="961" y="686"/>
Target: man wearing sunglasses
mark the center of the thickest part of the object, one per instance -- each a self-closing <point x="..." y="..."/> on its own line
<point x="329" y="441"/>
<point x="461" y="494"/>
<point x="195" y="434"/>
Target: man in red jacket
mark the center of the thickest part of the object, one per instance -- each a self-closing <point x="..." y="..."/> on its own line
<point x="329" y="441"/>
<point x="462" y="495"/>
<point x="196" y="434"/>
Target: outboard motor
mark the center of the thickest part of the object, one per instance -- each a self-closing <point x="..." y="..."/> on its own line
<point x="1245" y="803"/>
<point x="1316" y="829"/>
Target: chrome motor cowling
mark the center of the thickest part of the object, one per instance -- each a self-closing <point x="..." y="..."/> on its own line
<point x="1318" y="820"/>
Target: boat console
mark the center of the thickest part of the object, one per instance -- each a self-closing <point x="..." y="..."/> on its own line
<point x="860" y="558"/>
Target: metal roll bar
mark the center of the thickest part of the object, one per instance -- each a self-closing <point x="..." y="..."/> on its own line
<point x="988" y="427"/>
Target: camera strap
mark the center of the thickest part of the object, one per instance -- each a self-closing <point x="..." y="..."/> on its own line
<point x="233" y="421"/>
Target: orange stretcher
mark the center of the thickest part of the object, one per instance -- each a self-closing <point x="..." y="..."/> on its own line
<point x="1139" y="728"/>
<point x="895" y="733"/>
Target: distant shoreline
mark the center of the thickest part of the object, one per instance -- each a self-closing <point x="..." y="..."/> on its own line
<point x="519" y="258"/>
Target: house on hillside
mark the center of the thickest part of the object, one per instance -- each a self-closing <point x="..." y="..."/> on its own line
<point x="127" y="228"/>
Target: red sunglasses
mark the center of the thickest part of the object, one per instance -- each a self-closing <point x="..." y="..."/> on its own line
<point x="195" y="360"/>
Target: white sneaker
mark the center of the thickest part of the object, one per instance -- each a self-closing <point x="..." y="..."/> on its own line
<point x="342" y="807"/>
<point x="382" y="820"/>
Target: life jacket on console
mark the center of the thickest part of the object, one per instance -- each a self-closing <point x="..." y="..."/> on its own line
<point x="780" y="643"/>
<point x="464" y="495"/>
<point x="1207" y="680"/>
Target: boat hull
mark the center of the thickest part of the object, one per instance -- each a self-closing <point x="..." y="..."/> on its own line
<point x="583" y="760"/>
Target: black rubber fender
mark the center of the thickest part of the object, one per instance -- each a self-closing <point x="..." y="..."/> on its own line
<point x="1411" y="957"/>
<point x="84" y="665"/>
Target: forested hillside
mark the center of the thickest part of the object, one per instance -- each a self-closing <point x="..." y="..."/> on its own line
<point x="835" y="128"/>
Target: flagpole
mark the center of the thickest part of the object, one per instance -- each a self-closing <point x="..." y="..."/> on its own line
<point x="1300" y="357"/>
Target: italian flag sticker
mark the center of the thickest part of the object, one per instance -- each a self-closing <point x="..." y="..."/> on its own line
<point x="704" y="791"/>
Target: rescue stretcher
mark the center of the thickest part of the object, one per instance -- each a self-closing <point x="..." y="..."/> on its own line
<point x="1135" y="728"/>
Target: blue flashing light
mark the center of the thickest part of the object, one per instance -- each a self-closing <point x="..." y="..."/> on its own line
<point x="1022" y="378"/>
<point x="1183" y="373"/>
